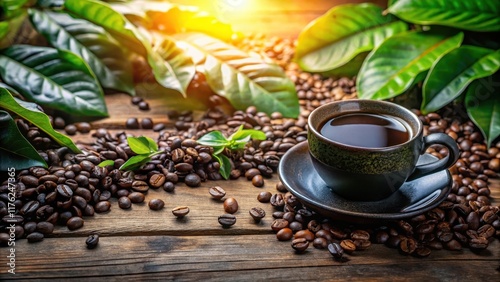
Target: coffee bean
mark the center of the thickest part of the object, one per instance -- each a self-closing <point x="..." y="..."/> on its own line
<point x="284" y="234"/>
<point x="136" y="197"/>
<point x="231" y="205"/>
<point x="336" y="250"/>
<point x="74" y="223"/>
<point x="453" y="245"/>
<point x="257" y="213"/>
<point x="192" y="180"/>
<point x="320" y="243"/>
<point x="362" y="244"/>
<point x="249" y="174"/>
<point x="295" y="226"/>
<point x="277" y="200"/>
<point x="180" y="211"/>
<point x="279" y="224"/>
<point x="92" y="241"/>
<point x="217" y="192"/>
<point x="64" y="190"/>
<point x="258" y="181"/>
<point x="143" y="106"/>
<point x="408" y="245"/>
<point x="300" y="245"/>
<point x="140" y="186"/>
<point x="264" y="197"/>
<point x="132" y="123"/>
<point x="169" y="187"/>
<point x="157" y="180"/>
<point x="102" y="206"/>
<point x="156" y="204"/>
<point x="422" y="252"/>
<point x="124" y="202"/>
<point x="34" y="237"/>
<point x="70" y="129"/>
<point x="305" y="234"/>
<point x="360" y="235"/>
<point x="227" y="220"/>
<point x="158" y="127"/>
<point x="147" y="123"/>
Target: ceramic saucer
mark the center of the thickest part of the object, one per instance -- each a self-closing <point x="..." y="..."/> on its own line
<point x="297" y="173"/>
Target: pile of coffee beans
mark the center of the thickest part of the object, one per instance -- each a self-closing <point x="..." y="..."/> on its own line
<point x="75" y="186"/>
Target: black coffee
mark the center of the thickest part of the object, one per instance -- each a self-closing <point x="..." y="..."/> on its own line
<point x="365" y="130"/>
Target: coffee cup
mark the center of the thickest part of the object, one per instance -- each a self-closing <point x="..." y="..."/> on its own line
<point x="365" y="150"/>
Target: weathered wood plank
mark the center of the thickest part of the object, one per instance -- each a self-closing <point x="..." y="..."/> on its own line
<point x="230" y="258"/>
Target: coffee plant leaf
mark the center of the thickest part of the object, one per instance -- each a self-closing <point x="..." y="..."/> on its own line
<point x="120" y="27"/>
<point x="242" y="79"/>
<point x="135" y="162"/>
<point x="444" y="83"/>
<point x="390" y="69"/>
<point x="461" y="14"/>
<point x="139" y="145"/>
<point x="91" y="42"/>
<point x="332" y="40"/>
<point x="225" y="165"/>
<point x="16" y="151"/>
<point x="483" y="106"/>
<point x="31" y="113"/>
<point x="53" y="78"/>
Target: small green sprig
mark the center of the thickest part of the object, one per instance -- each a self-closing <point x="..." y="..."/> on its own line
<point x="237" y="141"/>
<point x="143" y="146"/>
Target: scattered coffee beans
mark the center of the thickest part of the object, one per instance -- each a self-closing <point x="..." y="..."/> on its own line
<point x="156" y="204"/>
<point x="227" y="220"/>
<point x="180" y="211"/>
<point x="92" y="241"/>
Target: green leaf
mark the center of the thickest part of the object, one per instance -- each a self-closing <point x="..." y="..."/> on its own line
<point x="103" y="15"/>
<point x="244" y="133"/>
<point x="4" y="29"/>
<point x="15" y="150"/>
<point x="106" y="163"/>
<point x="30" y="112"/>
<point x="13" y="25"/>
<point x="462" y="14"/>
<point x="213" y="138"/>
<point x="218" y="149"/>
<point x="135" y="162"/>
<point x="225" y="165"/>
<point x="153" y="146"/>
<point x="53" y="78"/>
<point x="390" y="69"/>
<point x="12" y="8"/>
<point x="483" y="106"/>
<point x="242" y="79"/>
<point x="445" y="83"/>
<point x="180" y="65"/>
<point x="92" y="43"/>
<point x="139" y="145"/>
<point x="332" y="40"/>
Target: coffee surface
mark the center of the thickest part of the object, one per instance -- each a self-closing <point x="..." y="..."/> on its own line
<point x="365" y="130"/>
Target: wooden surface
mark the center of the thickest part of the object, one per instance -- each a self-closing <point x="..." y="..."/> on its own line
<point x="141" y="244"/>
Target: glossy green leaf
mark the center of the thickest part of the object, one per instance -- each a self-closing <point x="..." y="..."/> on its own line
<point x="445" y="83"/>
<point x="92" y="43"/>
<point x="225" y="165"/>
<point x="483" y="106"/>
<point x="106" y="163"/>
<point x="335" y="38"/>
<point x="53" y="78"/>
<point x="391" y="68"/>
<point x="139" y="145"/>
<point x="213" y="138"/>
<point x="135" y="162"/>
<point x="15" y="151"/>
<point x="180" y="65"/>
<point x="474" y="15"/>
<point x="31" y="113"/>
<point x="12" y="8"/>
<point x="153" y="146"/>
<point x="103" y="15"/>
<point x="244" y="133"/>
<point x="242" y="79"/>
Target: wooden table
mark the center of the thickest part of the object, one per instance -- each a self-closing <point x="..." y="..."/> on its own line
<point x="141" y="244"/>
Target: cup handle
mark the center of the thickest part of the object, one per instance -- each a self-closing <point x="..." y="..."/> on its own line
<point x="453" y="153"/>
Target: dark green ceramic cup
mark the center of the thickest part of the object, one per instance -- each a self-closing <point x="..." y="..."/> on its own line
<point x="371" y="174"/>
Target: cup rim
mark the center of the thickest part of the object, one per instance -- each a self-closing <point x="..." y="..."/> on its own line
<point x="414" y="135"/>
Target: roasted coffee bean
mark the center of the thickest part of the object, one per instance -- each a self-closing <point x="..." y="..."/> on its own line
<point x="83" y="127"/>
<point x="136" y="197"/>
<point x="408" y="245"/>
<point x="169" y="187"/>
<point x="284" y="234"/>
<point x="227" y="220"/>
<point x="140" y="186"/>
<point x="422" y="252"/>
<point x="180" y="211"/>
<point x="264" y="197"/>
<point x="132" y="123"/>
<point x="289" y="216"/>
<point x="156" y="204"/>
<point x="473" y="220"/>
<point x="249" y="174"/>
<point x="92" y="241"/>
<point x="314" y="226"/>
<point x="157" y="180"/>
<point x="257" y="213"/>
<point x="74" y="223"/>
<point x="360" y="235"/>
<point x="279" y="224"/>
<point x="79" y="202"/>
<point x="478" y="243"/>
<point x="102" y="206"/>
<point x="300" y="244"/>
<point x="258" y="181"/>
<point x="230" y="205"/>
<point x="336" y="250"/>
<point x="487" y="231"/>
<point x="192" y="180"/>
<point x="29" y="208"/>
<point x="453" y="245"/>
<point x="295" y="226"/>
<point x="34" y="237"/>
<point x="45" y="227"/>
<point x="64" y="190"/>
<point x="305" y="234"/>
<point x="320" y="243"/>
<point x="124" y="202"/>
<point x="217" y="192"/>
<point x="147" y="123"/>
<point x="277" y="200"/>
<point x="70" y="129"/>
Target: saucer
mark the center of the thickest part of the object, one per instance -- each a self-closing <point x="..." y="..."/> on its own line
<point x="419" y="195"/>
